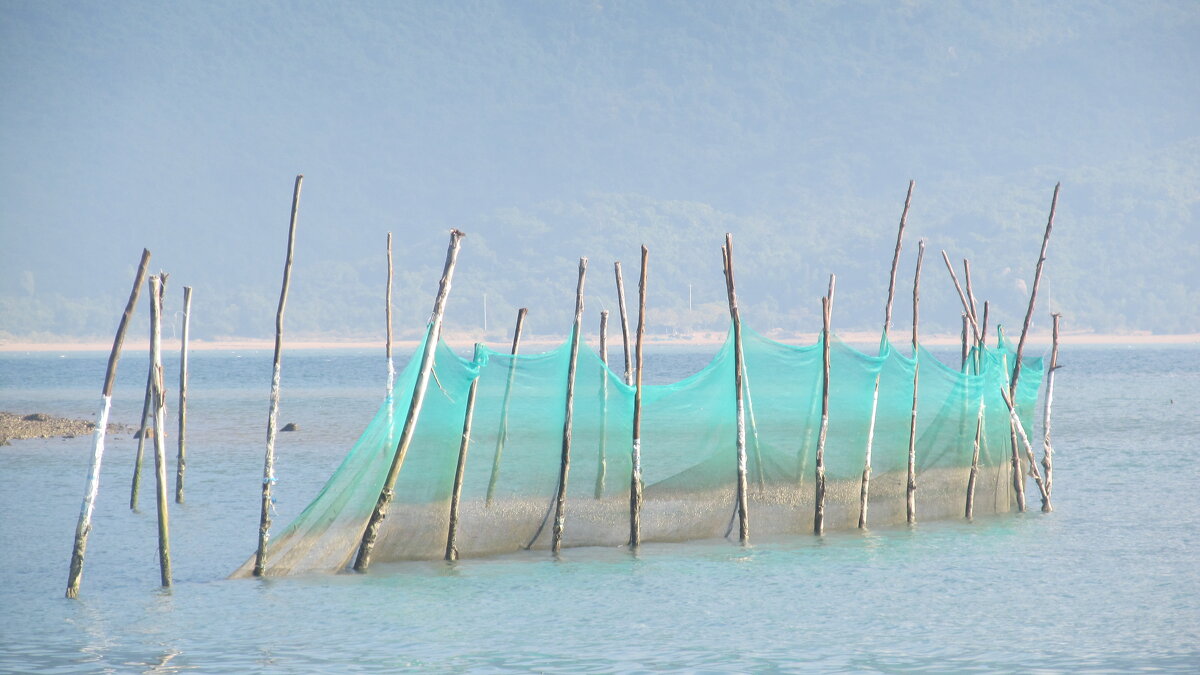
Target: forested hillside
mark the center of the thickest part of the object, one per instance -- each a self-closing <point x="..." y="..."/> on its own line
<point x="549" y="131"/>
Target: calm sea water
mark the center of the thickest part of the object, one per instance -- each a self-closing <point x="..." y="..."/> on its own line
<point x="1105" y="583"/>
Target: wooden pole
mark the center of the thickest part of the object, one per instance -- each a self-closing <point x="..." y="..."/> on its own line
<point x="911" y="489"/>
<point x="181" y="461"/>
<point x="970" y="293"/>
<point x="635" y="477"/>
<point x="1037" y="280"/>
<point x="387" y="492"/>
<point x="973" y="478"/>
<point x="1047" y="449"/>
<point x="463" y="447"/>
<point x="819" y="512"/>
<point x="984" y="327"/>
<point x="560" y="502"/>
<point x="624" y="322"/>
<point x="268" y="480"/>
<point x="865" y="487"/>
<point x="391" y="366"/>
<point x="602" y="465"/>
<point x="160" y="424"/>
<point x="1033" y="470"/>
<point x="502" y="435"/>
<point x="84" y="526"/>
<point x="966" y="304"/>
<point x="965" y="339"/>
<point x="739" y="370"/>
<point x="147" y="425"/>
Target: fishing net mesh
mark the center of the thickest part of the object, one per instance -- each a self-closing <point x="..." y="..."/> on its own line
<point x="688" y="446"/>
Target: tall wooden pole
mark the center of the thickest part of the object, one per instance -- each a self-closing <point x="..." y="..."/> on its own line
<point x="181" y="461"/>
<point x="463" y="447"/>
<point x="1019" y="477"/>
<point x="391" y="366"/>
<point x="1047" y="449"/>
<point x="974" y="475"/>
<point x="560" y="502"/>
<point x="363" y="559"/>
<point x="739" y="373"/>
<point x="268" y="479"/>
<point x="970" y="293"/>
<point x="602" y="463"/>
<point x="160" y="425"/>
<point x="147" y="421"/>
<point x="1037" y="280"/>
<point x="984" y="327"/>
<point x="84" y="526"/>
<point x="865" y="487"/>
<point x="911" y="488"/>
<point x="635" y="476"/>
<point x="502" y="434"/>
<point x="965" y="340"/>
<point x="624" y="322"/>
<point x="819" y="511"/>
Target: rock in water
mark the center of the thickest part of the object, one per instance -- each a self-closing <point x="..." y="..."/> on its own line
<point x="290" y="426"/>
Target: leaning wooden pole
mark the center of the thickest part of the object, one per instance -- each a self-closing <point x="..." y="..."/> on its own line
<point x="502" y="434"/>
<point x="865" y="486"/>
<point x="819" y="509"/>
<point x="966" y="304"/>
<point x="147" y="422"/>
<point x="463" y="447"/>
<point x="1033" y="470"/>
<point x="160" y="424"/>
<point x="560" y="500"/>
<point x="391" y="365"/>
<point x="740" y="408"/>
<point x="911" y="484"/>
<point x="268" y="479"/>
<point x="363" y="559"/>
<point x="92" y="488"/>
<point x="1019" y="477"/>
<point x="624" y="322"/>
<point x="602" y="461"/>
<point x="1047" y="448"/>
<point x="181" y="460"/>
<point x="965" y="341"/>
<point x="635" y="476"/>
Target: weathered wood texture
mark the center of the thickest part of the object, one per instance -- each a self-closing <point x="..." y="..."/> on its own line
<point x="181" y="458"/>
<point x="268" y="479"/>
<point x="635" y="474"/>
<point x="911" y="485"/>
<point x="1047" y="448"/>
<point x="819" y="507"/>
<point x="84" y="527"/>
<point x="362" y="559"/>
<point x="740" y="409"/>
<point x="146" y="428"/>
<point x="564" y="471"/>
<point x="624" y="322"/>
<point x="463" y="447"/>
<point x="160" y="444"/>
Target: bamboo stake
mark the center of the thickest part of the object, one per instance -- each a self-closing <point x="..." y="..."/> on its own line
<point x="984" y="327"/>
<point x="560" y="505"/>
<point x="635" y="476"/>
<point x="819" y="513"/>
<point x="961" y="296"/>
<point x="624" y="322"/>
<point x="1018" y="483"/>
<point x="502" y="434"/>
<point x="181" y="461"/>
<point x="84" y="526"/>
<point x="160" y="423"/>
<point x="268" y="480"/>
<point x="1047" y="449"/>
<point x="911" y="489"/>
<point x="738" y="368"/>
<point x="135" y="487"/>
<point x="602" y="467"/>
<point x="973" y="478"/>
<point x="387" y="492"/>
<point x="464" y="445"/>
<point x="970" y="293"/>
<point x="865" y="489"/>
<point x="391" y="366"/>
<point x="1033" y="470"/>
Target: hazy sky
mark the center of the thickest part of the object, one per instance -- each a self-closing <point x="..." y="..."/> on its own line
<point x="180" y="126"/>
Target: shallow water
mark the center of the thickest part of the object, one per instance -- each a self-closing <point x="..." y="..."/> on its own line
<point x="1106" y="582"/>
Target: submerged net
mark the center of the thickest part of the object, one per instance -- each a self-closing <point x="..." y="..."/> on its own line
<point x="688" y="446"/>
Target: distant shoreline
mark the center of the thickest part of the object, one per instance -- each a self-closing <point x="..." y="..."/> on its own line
<point x="708" y="339"/>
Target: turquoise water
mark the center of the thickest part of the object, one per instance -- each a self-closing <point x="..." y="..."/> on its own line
<point x="1106" y="582"/>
